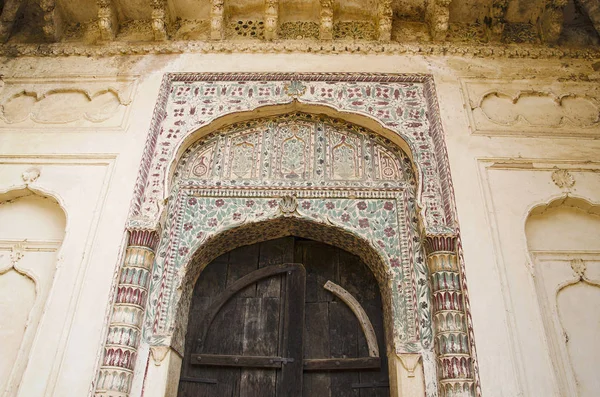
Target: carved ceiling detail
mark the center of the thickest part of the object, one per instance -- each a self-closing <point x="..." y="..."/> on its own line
<point x="541" y="28"/>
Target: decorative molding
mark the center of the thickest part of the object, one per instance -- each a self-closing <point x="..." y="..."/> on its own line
<point x="563" y="179"/>
<point x="532" y="108"/>
<point x="409" y="362"/>
<point x="99" y="102"/>
<point x="307" y="45"/>
<point x="30" y="175"/>
<point x="417" y="124"/>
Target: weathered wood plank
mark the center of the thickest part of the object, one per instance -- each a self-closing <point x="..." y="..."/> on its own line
<point x="243" y="260"/>
<point x="316" y="341"/>
<point x="261" y="334"/>
<point x="320" y="261"/>
<point x="291" y="379"/>
<point x="343" y="331"/>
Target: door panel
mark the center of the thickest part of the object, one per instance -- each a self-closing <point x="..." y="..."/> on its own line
<point x="283" y="328"/>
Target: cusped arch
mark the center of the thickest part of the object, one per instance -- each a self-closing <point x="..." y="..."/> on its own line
<point x="197" y="133"/>
<point x="32" y="228"/>
<point x="563" y="239"/>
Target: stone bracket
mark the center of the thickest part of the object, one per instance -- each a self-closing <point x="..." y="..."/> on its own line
<point x="326" y="20"/>
<point x="217" y="19"/>
<point x="160" y="19"/>
<point x="53" y="20"/>
<point x="551" y="21"/>
<point x="384" y="20"/>
<point x="7" y="18"/>
<point x="438" y="17"/>
<point x="271" y="19"/>
<point x="108" y="20"/>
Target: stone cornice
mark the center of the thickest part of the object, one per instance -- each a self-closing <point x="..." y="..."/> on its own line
<point x="304" y="46"/>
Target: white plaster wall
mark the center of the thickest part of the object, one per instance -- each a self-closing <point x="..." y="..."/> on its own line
<point x="499" y="172"/>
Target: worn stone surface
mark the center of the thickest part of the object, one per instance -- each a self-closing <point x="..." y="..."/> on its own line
<point x="520" y="136"/>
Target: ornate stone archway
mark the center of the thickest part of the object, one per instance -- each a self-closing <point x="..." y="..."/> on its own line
<point x="386" y="213"/>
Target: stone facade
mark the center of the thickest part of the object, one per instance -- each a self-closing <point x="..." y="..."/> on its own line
<point x="467" y="181"/>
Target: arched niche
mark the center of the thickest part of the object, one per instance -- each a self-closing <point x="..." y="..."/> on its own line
<point x="376" y="204"/>
<point x="564" y="243"/>
<point x="32" y="227"/>
<point x="295" y="107"/>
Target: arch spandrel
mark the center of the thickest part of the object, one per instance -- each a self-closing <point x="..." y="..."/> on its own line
<point x="403" y="107"/>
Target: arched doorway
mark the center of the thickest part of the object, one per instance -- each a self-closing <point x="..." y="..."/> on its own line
<point x="285" y="317"/>
<point x="356" y="159"/>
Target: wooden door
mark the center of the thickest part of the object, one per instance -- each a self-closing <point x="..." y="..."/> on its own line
<point x="262" y="323"/>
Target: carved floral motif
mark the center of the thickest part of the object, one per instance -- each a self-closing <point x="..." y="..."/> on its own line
<point x="563" y="179"/>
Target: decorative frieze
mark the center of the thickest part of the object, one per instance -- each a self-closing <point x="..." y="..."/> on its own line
<point x="533" y="108"/>
<point x="98" y="102"/>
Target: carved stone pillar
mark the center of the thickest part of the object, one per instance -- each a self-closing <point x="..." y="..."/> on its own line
<point x="454" y="362"/>
<point x="124" y="331"/>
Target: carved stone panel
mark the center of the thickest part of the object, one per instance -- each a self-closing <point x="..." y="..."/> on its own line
<point x="65" y="102"/>
<point x="497" y="107"/>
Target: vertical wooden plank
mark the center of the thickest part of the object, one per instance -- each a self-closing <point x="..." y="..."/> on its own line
<point x="360" y="282"/>
<point x="243" y="260"/>
<point x="211" y="282"/>
<point x="261" y="329"/>
<point x="289" y="384"/>
<point x="316" y="340"/>
<point x="320" y="261"/>
<point x="343" y="330"/>
<point x="274" y="252"/>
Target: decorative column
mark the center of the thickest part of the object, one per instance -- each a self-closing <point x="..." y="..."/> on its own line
<point x="454" y="361"/>
<point x="125" y="328"/>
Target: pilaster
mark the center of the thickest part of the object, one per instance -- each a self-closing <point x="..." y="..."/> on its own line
<point x="454" y="361"/>
<point x="124" y="332"/>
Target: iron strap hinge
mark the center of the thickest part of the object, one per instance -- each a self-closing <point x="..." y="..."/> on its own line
<point x="282" y="360"/>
